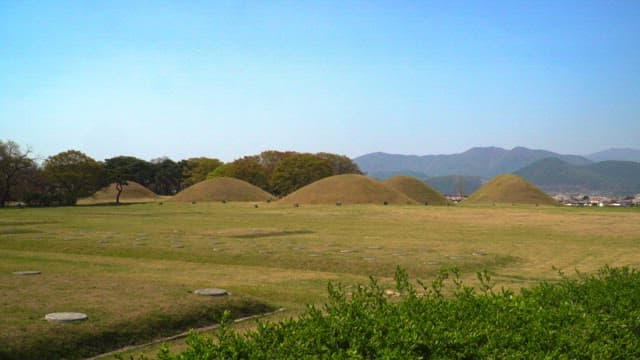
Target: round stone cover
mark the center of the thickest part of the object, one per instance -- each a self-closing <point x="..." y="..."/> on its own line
<point x="211" y="292"/>
<point x="26" y="272"/>
<point x="66" y="317"/>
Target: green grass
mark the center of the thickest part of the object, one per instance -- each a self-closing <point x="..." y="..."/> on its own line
<point x="125" y="265"/>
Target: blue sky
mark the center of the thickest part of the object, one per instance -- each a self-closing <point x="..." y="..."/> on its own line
<point x="228" y="79"/>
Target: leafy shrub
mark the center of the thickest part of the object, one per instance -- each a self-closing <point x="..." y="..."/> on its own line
<point x="596" y="316"/>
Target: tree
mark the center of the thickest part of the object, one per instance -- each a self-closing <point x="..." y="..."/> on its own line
<point x="269" y="159"/>
<point x="220" y="171"/>
<point x="340" y="164"/>
<point x="248" y="169"/>
<point x="195" y="170"/>
<point x="166" y="177"/>
<point x="35" y="189"/>
<point x="297" y="171"/>
<point x="74" y="174"/>
<point x="122" y="169"/>
<point x="13" y="162"/>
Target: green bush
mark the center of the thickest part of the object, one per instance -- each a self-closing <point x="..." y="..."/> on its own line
<point x="596" y="316"/>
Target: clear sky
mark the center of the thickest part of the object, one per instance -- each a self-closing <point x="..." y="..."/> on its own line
<point x="228" y="79"/>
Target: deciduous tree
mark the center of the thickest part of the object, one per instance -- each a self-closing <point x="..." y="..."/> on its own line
<point x="250" y="170"/>
<point x="340" y="164"/>
<point x="13" y="162"/>
<point x="74" y="174"/>
<point x="195" y="170"/>
<point x="297" y="171"/>
<point x="166" y="177"/>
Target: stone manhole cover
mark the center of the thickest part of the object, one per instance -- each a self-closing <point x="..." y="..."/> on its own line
<point x="26" y="272"/>
<point x="64" y="317"/>
<point x="211" y="292"/>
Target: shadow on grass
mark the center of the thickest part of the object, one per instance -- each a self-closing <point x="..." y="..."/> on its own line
<point x="76" y="341"/>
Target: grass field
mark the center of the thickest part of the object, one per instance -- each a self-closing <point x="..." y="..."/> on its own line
<point x="132" y="268"/>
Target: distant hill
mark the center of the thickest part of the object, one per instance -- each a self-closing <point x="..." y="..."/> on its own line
<point x="616" y="154"/>
<point x="485" y="162"/>
<point x="449" y="185"/>
<point x="607" y="177"/>
<point x="384" y="175"/>
<point x="509" y="188"/>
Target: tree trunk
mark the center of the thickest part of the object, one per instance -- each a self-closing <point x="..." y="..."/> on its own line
<point x="5" y="193"/>
<point x="119" y="188"/>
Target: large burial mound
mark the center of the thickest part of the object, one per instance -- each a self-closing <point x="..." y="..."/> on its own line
<point x="133" y="192"/>
<point x="416" y="189"/>
<point x="512" y="189"/>
<point x="223" y="189"/>
<point x="347" y="189"/>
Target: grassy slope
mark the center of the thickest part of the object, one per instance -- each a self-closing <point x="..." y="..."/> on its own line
<point x="223" y="188"/>
<point x="509" y="188"/>
<point x="92" y="259"/>
<point x="347" y="189"/>
<point x="416" y="189"/>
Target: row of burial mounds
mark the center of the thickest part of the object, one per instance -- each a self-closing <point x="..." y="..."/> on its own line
<point x="343" y="189"/>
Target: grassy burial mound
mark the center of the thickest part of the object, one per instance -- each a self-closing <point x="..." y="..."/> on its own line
<point x="347" y="189"/>
<point x="131" y="193"/>
<point x="416" y="189"/>
<point x="509" y="188"/>
<point x="223" y="188"/>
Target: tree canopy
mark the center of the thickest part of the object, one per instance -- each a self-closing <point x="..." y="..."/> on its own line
<point x="74" y="174"/>
<point x="297" y="171"/>
<point x="250" y="170"/>
<point x="195" y="170"/>
<point x="14" y="162"/>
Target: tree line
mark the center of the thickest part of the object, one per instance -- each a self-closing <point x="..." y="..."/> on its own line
<point x="63" y="178"/>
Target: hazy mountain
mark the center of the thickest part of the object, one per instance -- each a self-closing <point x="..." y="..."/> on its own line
<point x="447" y="185"/>
<point x="611" y="177"/>
<point x="450" y="185"/>
<point x="384" y="175"/>
<point x="616" y="154"/>
<point x="485" y="162"/>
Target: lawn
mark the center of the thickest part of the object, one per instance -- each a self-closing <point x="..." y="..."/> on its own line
<point x="133" y="268"/>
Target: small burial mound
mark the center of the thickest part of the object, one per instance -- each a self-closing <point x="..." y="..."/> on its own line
<point x="133" y="192"/>
<point x="222" y="189"/>
<point x="347" y="189"/>
<point x="417" y="190"/>
<point x="511" y="189"/>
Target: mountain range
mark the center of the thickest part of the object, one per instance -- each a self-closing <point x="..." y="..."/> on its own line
<point x="610" y="177"/>
<point x="485" y="162"/>
<point x="609" y="171"/>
